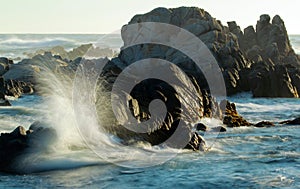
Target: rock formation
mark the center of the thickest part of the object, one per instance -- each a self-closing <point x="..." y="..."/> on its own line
<point x="21" y="141"/>
<point x="81" y="51"/>
<point x="249" y="60"/>
<point x="231" y="116"/>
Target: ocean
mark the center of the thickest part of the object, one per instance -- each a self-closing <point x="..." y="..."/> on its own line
<point x="245" y="157"/>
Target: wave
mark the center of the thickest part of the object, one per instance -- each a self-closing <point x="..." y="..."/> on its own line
<point x="14" y="41"/>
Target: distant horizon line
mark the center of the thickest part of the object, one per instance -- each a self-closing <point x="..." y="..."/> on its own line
<point x="59" y="33"/>
<point x="29" y="33"/>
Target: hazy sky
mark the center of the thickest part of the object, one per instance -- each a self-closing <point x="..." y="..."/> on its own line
<point x="106" y="16"/>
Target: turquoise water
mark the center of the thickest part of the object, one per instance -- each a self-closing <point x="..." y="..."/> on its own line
<point x="245" y="157"/>
<point x="242" y="157"/>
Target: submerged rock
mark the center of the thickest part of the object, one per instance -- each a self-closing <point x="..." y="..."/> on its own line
<point x="264" y="124"/>
<point x="292" y="122"/>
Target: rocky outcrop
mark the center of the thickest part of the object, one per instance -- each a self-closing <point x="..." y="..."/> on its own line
<point x="84" y="50"/>
<point x="22" y="141"/>
<point x="231" y="116"/>
<point x="259" y="58"/>
<point x="14" y="88"/>
<point x="267" y="80"/>
<point x="222" y="43"/>
<point x="201" y="127"/>
<point x="264" y="124"/>
<point x="178" y="115"/>
<point x="292" y="122"/>
<point x="196" y="143"/>
<point x="238" y="53"/>
<point x="4" y="65"/>
<point x="27" y="69"/>
<point x="274" y="69"/>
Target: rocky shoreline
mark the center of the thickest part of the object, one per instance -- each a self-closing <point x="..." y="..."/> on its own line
<point x="260" y="60"/>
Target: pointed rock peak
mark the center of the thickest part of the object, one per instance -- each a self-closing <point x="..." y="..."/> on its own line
<point x="277" y="20"/>
<point x="265" y="18"/>
<point x="19" y="131"/>
<point x="232" y="24"/>
<point x="249" y="29"/>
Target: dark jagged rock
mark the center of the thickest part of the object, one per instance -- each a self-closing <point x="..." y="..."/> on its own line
<point x="14" y="88"/>
<point x="17" y="88"/>
<point x="231" y="116"/>
<point x="292" y="122"/>
<point x="5" y="103"/>
<point x="222" y="43"/>
<point x="196" y="143"/>
<point x="274" y="71"/>
<point x="211" y="106"/>
<point x="264" y="124"/>
<point x="271" y="81"/>
<point x="236" y="52"/>
<point x="3" y="100"/>
<point x="171" y="95"/>
<point x="201" y="127"/>
<point x="142" y="95"/>
<point x="4" y="65"/>
<point x="28" y="69"/>
<point x="78" y="52"/>
<point x="20" y="142"/>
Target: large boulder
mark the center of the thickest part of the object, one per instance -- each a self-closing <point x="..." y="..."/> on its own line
<point x="22" y="141"/>
<point x="183" y="103"/>
<point x="222" y="43"/>
<point x="27" y="69"/>
<point x="236" y="52"/>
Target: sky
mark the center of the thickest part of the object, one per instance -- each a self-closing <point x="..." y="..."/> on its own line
<point x="108" y="16"/>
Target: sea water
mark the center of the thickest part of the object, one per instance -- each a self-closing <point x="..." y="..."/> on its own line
<point x="241" y="157"/>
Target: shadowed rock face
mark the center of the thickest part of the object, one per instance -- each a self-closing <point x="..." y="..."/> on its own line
<point x="22" y="141"/>
<point x="243" y="55"/>
<point x="245" y="58"/>
<point x="237" y="52"/>
<point x="222" y="43"/>
<point x="179" y="101"/>
<point x="274" y="71"/>
<point x="4" y="65"/>
<point x="260" y="60"/>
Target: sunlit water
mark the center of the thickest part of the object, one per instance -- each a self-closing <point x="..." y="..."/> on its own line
<point x="242" y="157"/>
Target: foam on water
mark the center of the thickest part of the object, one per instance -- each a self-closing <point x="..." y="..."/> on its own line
<point x="242" y="157"/>
<point x="17" y="46"/>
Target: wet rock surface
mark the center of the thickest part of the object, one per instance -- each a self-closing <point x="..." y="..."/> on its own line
<point x="295" y="121"/>
<point x="231" y="116"/>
